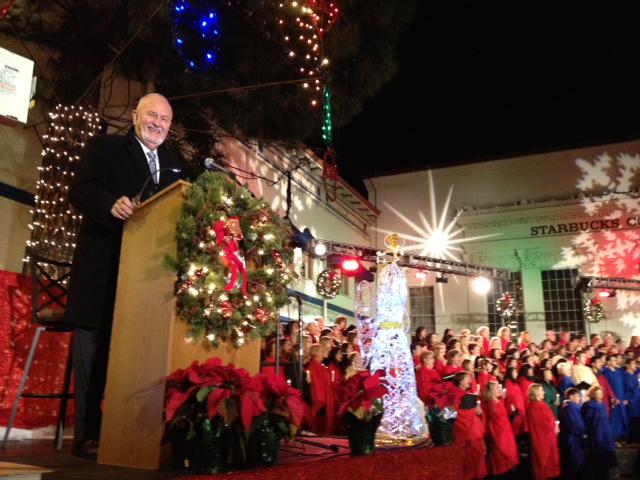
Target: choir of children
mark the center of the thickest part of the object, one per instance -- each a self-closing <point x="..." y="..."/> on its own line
<point x="506" y="422"/>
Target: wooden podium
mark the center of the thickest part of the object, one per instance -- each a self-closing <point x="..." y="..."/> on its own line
<point x="148" y="341"/>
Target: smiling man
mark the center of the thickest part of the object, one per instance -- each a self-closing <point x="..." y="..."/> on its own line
<point x="113" y="169"/>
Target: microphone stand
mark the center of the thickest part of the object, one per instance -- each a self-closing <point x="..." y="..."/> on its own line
<point x="300" y="373"/>
<point x="136" y="199"/>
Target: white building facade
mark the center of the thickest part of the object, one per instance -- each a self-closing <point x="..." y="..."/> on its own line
<point x="548" y="218"/>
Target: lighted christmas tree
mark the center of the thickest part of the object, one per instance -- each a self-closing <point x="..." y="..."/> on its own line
<point x="401" y="422"/>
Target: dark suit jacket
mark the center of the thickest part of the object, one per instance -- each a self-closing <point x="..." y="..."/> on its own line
<point x="111" y="166"/>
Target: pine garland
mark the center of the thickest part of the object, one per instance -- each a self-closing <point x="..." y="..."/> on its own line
<point x="207" y="234"/>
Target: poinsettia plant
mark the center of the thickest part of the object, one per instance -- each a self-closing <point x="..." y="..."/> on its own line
<point x="283" y="403"/>
<point x="212" y="391"/>
<point x="362" y="395"/>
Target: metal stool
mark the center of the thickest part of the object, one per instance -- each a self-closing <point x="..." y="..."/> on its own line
<point x="50" y="288"/>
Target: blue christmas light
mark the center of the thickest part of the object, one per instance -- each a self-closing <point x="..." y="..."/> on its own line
<point x="196" y="33"/>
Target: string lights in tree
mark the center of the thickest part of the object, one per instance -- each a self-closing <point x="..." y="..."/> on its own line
<point x="304" y="23"/>
<point x="55" y="223"/>
<point x="4" y="10"/>
<point x="196" y="33"/>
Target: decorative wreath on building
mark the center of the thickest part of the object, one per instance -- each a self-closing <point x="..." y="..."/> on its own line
<point x="233" y="262"/>
<point x="328" y="283"/>
<point x="593" y="310"/>
<point x="506" y="305"/>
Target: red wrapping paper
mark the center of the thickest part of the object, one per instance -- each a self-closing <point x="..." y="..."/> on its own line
<point x="47" y="370"/>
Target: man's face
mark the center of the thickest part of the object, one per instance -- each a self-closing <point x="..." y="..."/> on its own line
<point x="152" y="121"/>
<point x="551" y="336"/>
<point x="581" y="359"/>
<point x="575" y="398"/>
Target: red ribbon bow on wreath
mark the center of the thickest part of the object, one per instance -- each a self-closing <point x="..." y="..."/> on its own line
<point x="227" y="236"/>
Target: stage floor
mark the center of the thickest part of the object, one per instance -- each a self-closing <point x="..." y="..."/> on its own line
<point x="64" y="466"/>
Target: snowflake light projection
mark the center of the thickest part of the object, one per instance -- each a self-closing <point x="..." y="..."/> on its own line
<point x="401" y="422"/>
<point x="605" y="184"/>
<point x="436" y="238"/>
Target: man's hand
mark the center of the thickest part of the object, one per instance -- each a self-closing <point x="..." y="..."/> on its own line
<point x="122" y="209"/>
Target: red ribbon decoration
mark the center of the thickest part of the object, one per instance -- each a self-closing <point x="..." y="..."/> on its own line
<point x="229" y="246"/>
<point x="330" y="174"/>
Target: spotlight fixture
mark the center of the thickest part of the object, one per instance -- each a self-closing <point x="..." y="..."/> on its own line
<point x="319" y="249"/>
<point x="607" y="293"/>
<point x="420" y="273"/>
<point x="441" y="279"/>
<point x="481" y="285"/>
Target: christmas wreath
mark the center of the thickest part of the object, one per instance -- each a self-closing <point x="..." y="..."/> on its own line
<point x="505" y="305"/>
<point x="328" y="283"/>
<point x="233" y="262"/>
<point x="593" y="310"/>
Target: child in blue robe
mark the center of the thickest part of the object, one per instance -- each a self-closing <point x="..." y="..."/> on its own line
<point x="601" y="445"/>
<point x="615" y="377"/>
<point x="572" y="429"/>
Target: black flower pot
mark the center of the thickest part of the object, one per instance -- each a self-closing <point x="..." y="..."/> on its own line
<point x="209" y="450"/>
<point x="361" y="433"/>
<point x="264" y="444"/>
<point x="441" y="432"/>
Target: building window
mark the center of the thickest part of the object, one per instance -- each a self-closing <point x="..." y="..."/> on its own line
<point x="306" y="267"/>
<point x="421" y="304"/>
<point x="515" y="322"/>
<point x="344" y="286"/>
<point x="562" y="302"/>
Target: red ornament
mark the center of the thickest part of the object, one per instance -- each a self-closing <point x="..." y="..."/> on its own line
<point x="226" y="309"/>
<point x="262" y="315"/>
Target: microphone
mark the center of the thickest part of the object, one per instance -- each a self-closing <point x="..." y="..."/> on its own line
<point x="136" y="199"/>
<point x="210" y="164"/>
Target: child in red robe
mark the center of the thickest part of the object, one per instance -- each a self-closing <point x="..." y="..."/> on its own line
<point x="438" y="353"/>
<point x="454" y="363"/>
<point x="485" y="376"/>
<point x="322" y="402"/>
<point x="501" y="443"/>
<point x="543" y="432"/>
<point x="525" y="379"/>
<point x="468" y="429"/>
<point x="515" y="402"/>
<point x="428" y="380"/>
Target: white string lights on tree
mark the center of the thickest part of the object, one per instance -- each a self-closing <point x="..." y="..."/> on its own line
<point x="304" y="23"/>
<point x="401" y="422"/>
<point x="55" y="223"/>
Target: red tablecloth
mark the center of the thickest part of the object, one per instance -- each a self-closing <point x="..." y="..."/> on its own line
<point x="47" y="370"/>
<point x="417" y="463"/>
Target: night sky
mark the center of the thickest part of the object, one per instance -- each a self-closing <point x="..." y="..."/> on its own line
<point x="481" y="80"/>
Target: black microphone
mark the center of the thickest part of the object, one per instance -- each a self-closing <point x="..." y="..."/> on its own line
<point x="136" y="199"/>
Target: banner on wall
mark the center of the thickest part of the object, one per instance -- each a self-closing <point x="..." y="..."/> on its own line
<point x="17" y="87"/>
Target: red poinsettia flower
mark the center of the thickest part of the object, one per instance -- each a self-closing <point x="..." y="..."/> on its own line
<point x="282" y="399"/>
<point x="237" y="394"/>
<point x="361" y="390"/>
<point x="229" y="392"/>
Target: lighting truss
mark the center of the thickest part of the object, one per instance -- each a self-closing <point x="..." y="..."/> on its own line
<point x="585" y="282"/>
<point x="431" y="264"/>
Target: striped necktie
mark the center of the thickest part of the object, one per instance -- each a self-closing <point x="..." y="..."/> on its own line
<point x="152" y="166"/>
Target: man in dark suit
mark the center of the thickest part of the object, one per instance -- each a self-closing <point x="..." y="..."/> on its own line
<point x="113" y="169"/>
